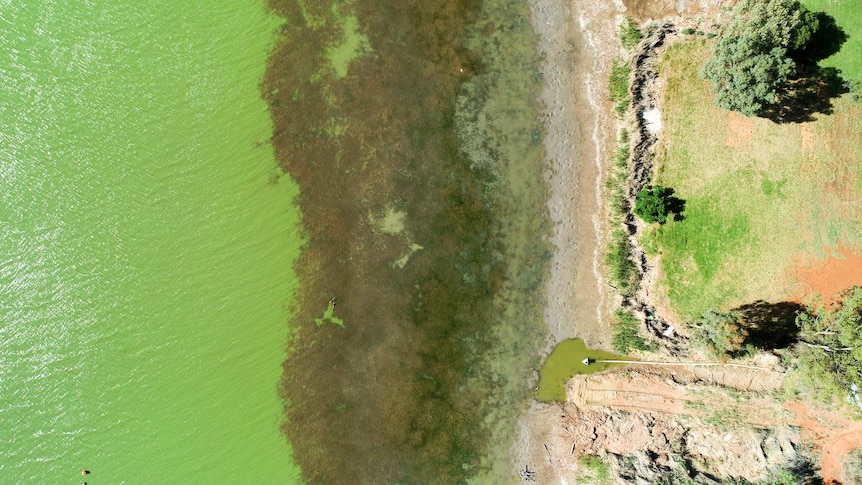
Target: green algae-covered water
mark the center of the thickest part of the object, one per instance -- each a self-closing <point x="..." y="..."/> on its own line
<point x="146" y="245"/>
<point x="566" y="361"/>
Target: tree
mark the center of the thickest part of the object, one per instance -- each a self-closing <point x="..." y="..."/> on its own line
<point x="831" y="346"/>
<point x="720" y="334"/>
<point x="653" y="204"/>
<point x="752" y="60"/>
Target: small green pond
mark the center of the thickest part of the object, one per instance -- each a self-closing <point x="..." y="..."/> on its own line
<point x="566" y="361"/>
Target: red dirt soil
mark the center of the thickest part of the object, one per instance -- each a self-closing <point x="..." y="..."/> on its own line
<point x="834" y="436"/>
<point x="830" y="277"/>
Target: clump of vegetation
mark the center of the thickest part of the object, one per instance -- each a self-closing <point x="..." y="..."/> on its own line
<point x="619" y="85"/>
<point x="752" y="61"/>
<point x="630" y="35"/>
<point x="619" y="260"/>
<point x="626" y="335"/>
<point x="595" y="469"/>
<point x="654" y="204"/>
<point x="720" y="335"/>
<point x="623" y="271"/>
<point x="830" y="359"/>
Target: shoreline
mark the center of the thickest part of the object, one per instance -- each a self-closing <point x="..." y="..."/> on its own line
<point x="577" y="43"/>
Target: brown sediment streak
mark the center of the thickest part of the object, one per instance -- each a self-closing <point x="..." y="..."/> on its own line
<point x="383" y="399"/>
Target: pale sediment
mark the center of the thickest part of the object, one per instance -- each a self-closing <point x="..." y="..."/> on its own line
<point x="578" y="42"/>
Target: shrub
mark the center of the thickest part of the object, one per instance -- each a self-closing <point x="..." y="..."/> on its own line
<point x="720" y="334"/>
<point x="653" y="204"/>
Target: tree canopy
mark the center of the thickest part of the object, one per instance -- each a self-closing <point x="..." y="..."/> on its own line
<point x="752" y="60"/>
<point x="832" y="346"/>
<point x="655" y="204"/>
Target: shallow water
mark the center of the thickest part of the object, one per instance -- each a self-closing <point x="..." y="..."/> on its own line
<point x="147" y="245"/>
<point x="413" y="132"/>
<point x="565" y="362"/>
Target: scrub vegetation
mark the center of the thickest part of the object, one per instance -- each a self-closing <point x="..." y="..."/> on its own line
<point x="830" y="358"/>
<point x="630" y="34"/>
<point x="619" y="85"/>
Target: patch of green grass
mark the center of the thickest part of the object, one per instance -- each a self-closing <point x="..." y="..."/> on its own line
<point x="594" y="469"/>
<point x="848" y="16"/>
<point x="623" y="271"/>
<point x="626" y="335"/>
<point x="619" y="85"/>
<point x="630" y="34"/>
<point x="759" y="196"/>
<point x="725" y="418"/>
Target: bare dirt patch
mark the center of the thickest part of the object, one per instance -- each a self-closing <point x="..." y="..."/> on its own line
<point x="806" y="139"/>
<point x="740" y="129"/>
<point x="834" y="436"/>
<point x="829" y="278"/>
<point x="648" y="422"/>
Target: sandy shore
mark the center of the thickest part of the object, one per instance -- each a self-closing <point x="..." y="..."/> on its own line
<point x="578" y="42"/>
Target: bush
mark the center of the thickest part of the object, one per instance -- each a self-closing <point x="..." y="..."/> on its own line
<point x="720" y="334"/>
<point x="653" y="204"/>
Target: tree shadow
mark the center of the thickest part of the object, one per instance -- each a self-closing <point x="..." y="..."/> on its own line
<point x="811" y="93"/>
<point x="814" y="87"/>
<point x="826" y="40"/>
<point x="770" y="325"/>
<point x="675" y="205"/>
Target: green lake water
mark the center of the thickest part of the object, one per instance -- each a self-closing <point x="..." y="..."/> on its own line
<point x="146" y="245"/>
<point x="565" y="362"/>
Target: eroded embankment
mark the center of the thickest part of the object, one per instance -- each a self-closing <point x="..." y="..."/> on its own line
<point x="644" y="94"/>
<point x="410" y="130"/>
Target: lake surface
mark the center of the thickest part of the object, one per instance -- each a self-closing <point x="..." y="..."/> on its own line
<point x="413" y="131"/>
<point x="166" y="318"/>
<point x="146" y="245"/>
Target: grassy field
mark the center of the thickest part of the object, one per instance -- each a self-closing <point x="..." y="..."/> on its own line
<point x="761" y="198"/>
<point x="848" y="16"/>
